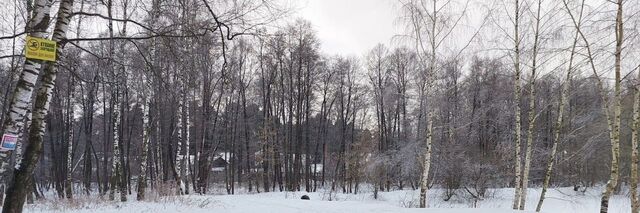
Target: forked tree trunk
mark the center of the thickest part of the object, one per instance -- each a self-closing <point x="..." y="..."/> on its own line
<point x="17" y="192"/>
<point x="21" y="98"/>
<point x="532" y="111"/>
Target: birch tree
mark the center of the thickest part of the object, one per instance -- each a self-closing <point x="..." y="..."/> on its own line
<point x="613" y="122"/>
<point x="635" y="203"/>
<point x="532" y="108"/>
<point x="180" y="158"/>
<point x="144" y="159"/>
<point x="516" y="93"/>
<point x="117" y="107"/>
<point x="70" y="109"/>
<point x="429" y="27"/>
<point x="22" y="94"/>
<point x="564" y="96"/>
<point x="17" y="192"/>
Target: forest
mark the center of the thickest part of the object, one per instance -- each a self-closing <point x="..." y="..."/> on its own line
<point x="182" y="97"/>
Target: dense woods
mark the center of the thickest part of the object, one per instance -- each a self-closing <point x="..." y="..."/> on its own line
<point x="195" y="96"/>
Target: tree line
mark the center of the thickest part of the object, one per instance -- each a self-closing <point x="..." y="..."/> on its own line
<point x="169" y="89"/>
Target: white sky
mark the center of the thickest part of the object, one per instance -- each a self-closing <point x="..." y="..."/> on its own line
<point x="351" y="27"/>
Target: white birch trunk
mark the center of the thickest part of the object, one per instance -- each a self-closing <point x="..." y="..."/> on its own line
<point x="144" y="159"/>
<point x="426" y="162"/>
<point x="516" y="82"/>
<point x="186" y="157"/>
<point x="115" y="157"/>
<point x="20" y="146"/>
<point x="21" y="98"/>
<point x="635" y="204"/>
<point x="17" y="192"/>
<point x="69" y="182"/>
<point x="532" y="112"/>
<point x="429" y="135"/>
<point x="556" y="138"/>
<point x="614" y="124"/>
<point x="179" y="160"/>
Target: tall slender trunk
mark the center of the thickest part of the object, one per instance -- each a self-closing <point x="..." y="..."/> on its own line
<point x="558" y="126"/>
<point x="516" y="82"/>
<point x="17" y="192"/>
<point x="179" y="158"/>
<point x="635" y="203"/>
<point x="184" y="172"/>
<point x="22" y="93"/>
<point x="532" y="111"/>
<point x="70" y="109"/>
<point x="116" y="165"/>
<point x="614" y="123"/>
<point x="144" y="159"/>
<point x="88" y="132"/>
<point x="424" y="181"/>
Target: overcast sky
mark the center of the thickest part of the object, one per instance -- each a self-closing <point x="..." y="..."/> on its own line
<point x="351" y="27"/>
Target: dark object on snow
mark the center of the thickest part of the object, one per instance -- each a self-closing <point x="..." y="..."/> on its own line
<point x="305" y="197"/>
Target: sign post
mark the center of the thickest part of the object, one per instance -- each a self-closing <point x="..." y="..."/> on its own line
<point x="8" y="142"/>
<point x="38" y="48"/>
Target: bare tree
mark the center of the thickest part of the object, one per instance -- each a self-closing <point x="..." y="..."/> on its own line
<point x="17" y="192"/>
<point x="612" y="121"/>
<point x="516" y="92"/>
<point x="564" y="96"/>
<point x="21" y="99"/>
<point x="429" y="27"/>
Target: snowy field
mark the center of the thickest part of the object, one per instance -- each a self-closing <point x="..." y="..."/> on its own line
<point x="499" y="201"/>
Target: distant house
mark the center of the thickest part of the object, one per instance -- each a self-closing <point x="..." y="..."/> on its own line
<point x="219" y="164"/>
<point x="220" y="161"/>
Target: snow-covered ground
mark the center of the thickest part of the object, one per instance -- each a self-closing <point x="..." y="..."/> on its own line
<point x="559" y="200"/>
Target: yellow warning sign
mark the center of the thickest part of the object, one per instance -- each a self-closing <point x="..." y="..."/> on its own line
<point x="38" y="48"/>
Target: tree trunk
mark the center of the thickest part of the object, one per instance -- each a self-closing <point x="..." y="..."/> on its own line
<point x="17" y="192"/>
<point x="186" y="157"/>
<point x="144" y="160"/>
<point x="556" y="139"/>
<point x="426" y="162"/>
<point x="69" y="181"/>
<point x="614" y="124"/>
<point x="532" y="111"/>
<point x="516" y="82"/>
<point x="21" y="98"/>
<point x="635" y="204"/>
<point x="88" y="133"/>
<point x="180" y="159"/>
